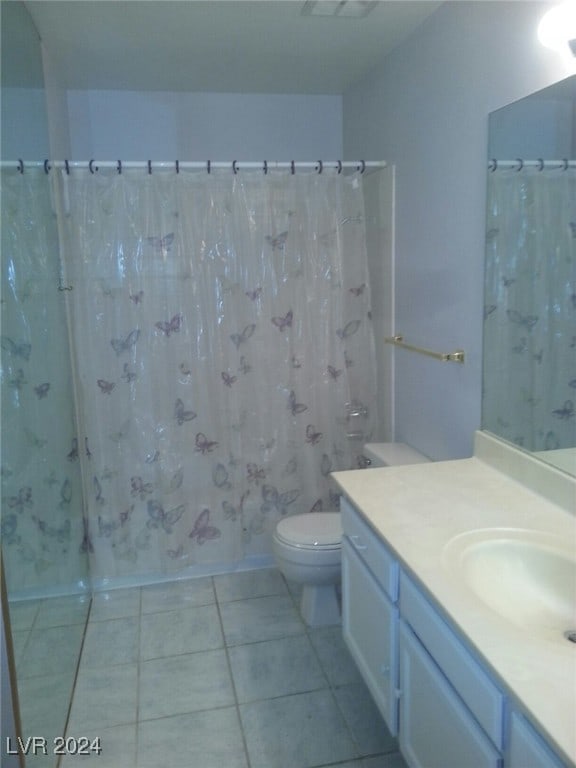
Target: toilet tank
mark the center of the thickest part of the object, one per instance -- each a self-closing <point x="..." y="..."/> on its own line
<point x="391" y="454"/>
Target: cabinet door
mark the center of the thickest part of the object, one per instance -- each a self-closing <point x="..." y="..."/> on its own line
<point x="370" y="628"/>
<point x="437" y="730"/>
<point x="527" y="749"/>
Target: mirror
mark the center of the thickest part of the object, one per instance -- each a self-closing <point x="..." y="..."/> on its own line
<point x="529" y="359"/>
<point x="46" y="574"/>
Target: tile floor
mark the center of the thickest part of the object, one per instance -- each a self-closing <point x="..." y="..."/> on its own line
<point x="47" y="639"/>
<point x="220" y="671"/>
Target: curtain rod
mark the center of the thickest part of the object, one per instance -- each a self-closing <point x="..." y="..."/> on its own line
<point x="177" y="165"/>
<point x="518" y="164"/>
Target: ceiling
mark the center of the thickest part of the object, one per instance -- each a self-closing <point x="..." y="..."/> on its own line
<point x="246" y="46"/>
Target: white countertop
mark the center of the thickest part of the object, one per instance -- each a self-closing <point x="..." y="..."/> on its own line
<point x="418" y="509"/>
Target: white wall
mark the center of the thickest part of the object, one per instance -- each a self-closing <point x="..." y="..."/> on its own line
<point x="24" y="124"/>
<point x="425" y="108"/>
<point x="160" y="125"/>
<point x="57" y="108"/>
<point x="23" y="118"/>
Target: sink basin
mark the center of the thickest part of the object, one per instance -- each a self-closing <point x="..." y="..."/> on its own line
<point x="527" y="577"/>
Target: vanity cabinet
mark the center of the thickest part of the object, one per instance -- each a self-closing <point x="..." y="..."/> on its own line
<point x="451" y="712"/>
<point x="436" y="729"/>
<point x="370" y="615"/>
<point x="432" y="690"/>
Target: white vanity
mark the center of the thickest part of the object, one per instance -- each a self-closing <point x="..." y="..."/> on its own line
<point x="458" y="585"/>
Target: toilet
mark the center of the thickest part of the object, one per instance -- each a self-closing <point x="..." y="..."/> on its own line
<point x="308" y="547"/>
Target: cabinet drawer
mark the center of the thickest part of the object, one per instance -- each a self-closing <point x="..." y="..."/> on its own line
<point x="437" y="730"/>
<point x="465" y="674"/>
<point x="370" y="549"/>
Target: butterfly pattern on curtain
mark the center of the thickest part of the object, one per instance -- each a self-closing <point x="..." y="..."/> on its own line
<point x="41" y="486"/>
<point x="530" y="308"/>
<point x="221" y="329"/>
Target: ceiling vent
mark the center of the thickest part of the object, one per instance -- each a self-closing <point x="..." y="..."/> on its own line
<point x="351" y="9"/>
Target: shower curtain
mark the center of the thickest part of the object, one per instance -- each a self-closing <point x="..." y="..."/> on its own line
<point x="530" y="302"/>
<point x="41" y="484"/>
<point x="223" y="356"/>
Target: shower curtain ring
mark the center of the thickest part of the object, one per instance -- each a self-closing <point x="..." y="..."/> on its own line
<point x="150" y="167"/>
<point x="292" y="167"/>
<point x="540" y="164"/>
<point x="91" y="166"/>
<point x="339" y="166"/>
<point x="67" y="167"/>
<point x="177" y="166"/>
<point x="234" y="166"/>
<point x="362" y="166"/>
<point x="520" y="164"/>
<point x="119" y="166"/>
<point x="320" y="167"/>
<point x="46" y="166"/>
<point x="493" y="165"/>
<point x="265" y="167"/>
<point x="21" y="165"/>
<point x="565" y="164"/>
<point x="208" y="166"/>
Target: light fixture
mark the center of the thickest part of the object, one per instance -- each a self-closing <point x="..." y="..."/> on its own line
<point x="342" y="8"/>
<point x="557" y="30"/>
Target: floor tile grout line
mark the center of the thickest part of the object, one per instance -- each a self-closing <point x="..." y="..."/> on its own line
<point x="331" y="688"/>
<point x="318" y="658"/>
<point x="138" y="672"/>
<point x="234" y="691"/>
<point x="76" y="676"/>
<point x="217" y="708"/>
<point x="23" y="649"/>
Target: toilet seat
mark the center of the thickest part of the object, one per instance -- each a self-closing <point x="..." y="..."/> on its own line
<point x="313" y="531"/>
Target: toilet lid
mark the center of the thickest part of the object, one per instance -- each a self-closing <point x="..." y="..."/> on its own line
<point x="315" y="529"/>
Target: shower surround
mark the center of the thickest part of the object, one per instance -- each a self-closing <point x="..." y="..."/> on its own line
<point x="219" y="334"/>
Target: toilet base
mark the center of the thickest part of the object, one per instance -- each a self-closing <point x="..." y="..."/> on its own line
<point x="319" y="605"/>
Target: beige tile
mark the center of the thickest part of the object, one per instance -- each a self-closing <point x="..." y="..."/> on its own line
<point x="104" y="698"/>
<point x="109" y="643"/>
<point x="334" y="656"/>
<point x="53" y="650"/>
<point x="260" y="618"/>
<point x="23" y="613"/>
<point x="303" y="730"/>
<point x="177" y="632"/>
<point x="117" y="745"/>
<point x="364" y="719"/>
<point x="180" y="684"/>
<point x="115" y="604"/>
<point x="246" y="584"/>
<point x="61" y="611"/>
<point x="210" y="739"/>
<point x="275" y="668"/>
<point x="44" y="703"/>
<point x="177" y="595"/>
